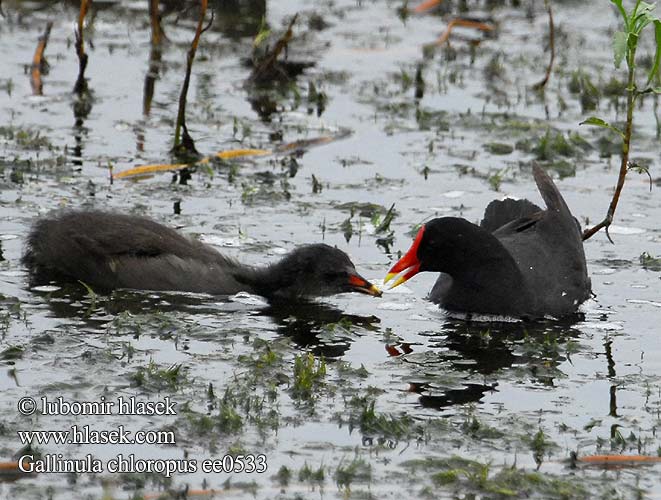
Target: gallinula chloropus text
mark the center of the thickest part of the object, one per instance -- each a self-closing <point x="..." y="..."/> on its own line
<point x="107" y="251"/>
<point x="520" y="261"/>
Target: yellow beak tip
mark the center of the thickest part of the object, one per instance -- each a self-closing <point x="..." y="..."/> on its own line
<point x="399" y="281"/>
<point x="388" y="277"/>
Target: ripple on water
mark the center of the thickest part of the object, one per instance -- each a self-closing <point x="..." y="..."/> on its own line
<point x="603" y="272"/>
<point x="454" y="194"/>
<point x="394" y="306"/>
<point x="591" y="306"/>
<point x="248" y="299"/>
<point x="640" y="301"/>
<point x="220" y="241"/>
<point x="418" y="317"/>
<point x="625" y="230"/>
<point x="603" y="326"/>
<point x="45" y="288"/>
<point x="481" y="318"/>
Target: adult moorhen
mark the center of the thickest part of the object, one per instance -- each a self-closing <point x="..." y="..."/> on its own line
<point x="521" y="261"/>
<point x="107" y="251"/>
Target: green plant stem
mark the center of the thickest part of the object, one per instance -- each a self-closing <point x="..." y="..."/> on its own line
<point x="624" y="165"/>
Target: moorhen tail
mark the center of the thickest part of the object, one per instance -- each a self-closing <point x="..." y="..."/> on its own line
<point x="521" y="261"/>
<point x="108" y="251"/>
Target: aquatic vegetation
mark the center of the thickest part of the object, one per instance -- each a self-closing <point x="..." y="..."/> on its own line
<point x="553" y="144"/>
<point x="499" y="148"/>
<point x="309" y="475"/>
<point x="388" y="426"/>
<point x="27" y="139"/>
<point x="309" y="374"/>
<point x="459" y="474"/>
<point x="650" y="262"/>
<point x="283" y="476"/>
<point x="495" y="179"/>
<point x="356" y="471"/>
<point x="580" y="83"/>
<point x="12" y="353"/>
<point x="228" y="420"/>
<point x="155" y="379"/>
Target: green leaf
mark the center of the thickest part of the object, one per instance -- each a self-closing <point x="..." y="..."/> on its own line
<point x="641" y="22"/>
<point x="598" y="122"/>
<point x="623" y="12"/>
<point x="641" y="17"/>
<point x="644" y="10"/>
<point x="649" y="90"/>
<point x="657" y="54"/>
<point x="263" y="33"/>
<point x="619" y="47"/>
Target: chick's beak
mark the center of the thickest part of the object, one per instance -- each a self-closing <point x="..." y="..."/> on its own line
<point x="409" y="263"/>
<point x="360" y="284"/>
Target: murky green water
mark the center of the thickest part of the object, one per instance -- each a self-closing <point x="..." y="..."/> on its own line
<point x="398" y="400"/>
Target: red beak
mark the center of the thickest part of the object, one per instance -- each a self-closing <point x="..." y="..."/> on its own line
<point x="361" y="285"/>
<point x="409" y="263"/>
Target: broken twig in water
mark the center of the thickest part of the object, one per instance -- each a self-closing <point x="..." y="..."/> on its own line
<point x="426" y="6"/>
<point x="288" y="149"/>
<point x="616" y="460"/>
<point x="172" y="167"/>
<point x="466" y="23"/>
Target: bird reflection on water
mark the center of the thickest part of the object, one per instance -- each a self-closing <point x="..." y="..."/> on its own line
<point x="464" y="361"/>
<point x="312" y="325"/>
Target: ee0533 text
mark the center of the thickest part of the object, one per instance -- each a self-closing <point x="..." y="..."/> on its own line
<point x="237" y="464"/>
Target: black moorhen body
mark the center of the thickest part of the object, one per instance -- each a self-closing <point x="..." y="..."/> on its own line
<point x="107" y="251"/>
<point x="521" y="261"/>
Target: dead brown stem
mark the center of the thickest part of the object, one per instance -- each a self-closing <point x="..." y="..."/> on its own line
<point x="157" y="37"/>
<point x="81" y="83"/>
<point x="541" y="84"/>
<point x="39" y="63"/>
<point x="186" y="141"/>
<point x="155" y="19"/>
<point x="265" y="67"/>
<point x="466" y="23"/>
<point x="426" y="6"/>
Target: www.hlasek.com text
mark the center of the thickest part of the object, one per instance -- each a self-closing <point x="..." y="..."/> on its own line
<point x="84" y="434"/>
